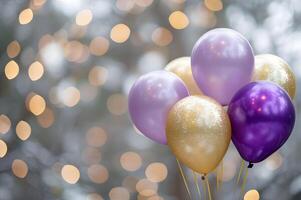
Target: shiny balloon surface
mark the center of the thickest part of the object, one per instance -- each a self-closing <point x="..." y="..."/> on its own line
<point x="198" y="132"/>
<point x="182" y="68"/>
<point x="273" y="68"/>
<point x="262" y="118"/>
<point x="150" y="99"/>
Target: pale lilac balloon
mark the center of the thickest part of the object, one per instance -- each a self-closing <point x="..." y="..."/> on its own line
<point x="150" y="100"/>
<point x="222" y="62"/>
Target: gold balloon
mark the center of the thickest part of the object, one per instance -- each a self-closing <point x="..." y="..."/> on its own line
<point x="275" y="69"/>
<point x="198" y="132"/>
<point x="182" y="68"/>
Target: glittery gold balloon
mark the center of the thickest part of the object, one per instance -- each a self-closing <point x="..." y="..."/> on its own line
<point x="275" y="69"/>
<point x="182" y="68"/>
<point x="198" y="132"/>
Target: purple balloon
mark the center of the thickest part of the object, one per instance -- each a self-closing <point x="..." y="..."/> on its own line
<point x="222" y="62"/>
<point x="150" y="100"/>
<point x="262" y="118"/>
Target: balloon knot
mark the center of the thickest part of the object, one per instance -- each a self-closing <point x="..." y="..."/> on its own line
<point x="250" y="165"/>
<point x="203" y="177"/>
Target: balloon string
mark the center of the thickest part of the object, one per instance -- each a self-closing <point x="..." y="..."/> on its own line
<point x="197" y="184"/>
<point x="204" y="187"/>
<point x="240" y="171"/>
<point x="184" y="179"/>
<point x="222" y="174"/>
<point x="217" y="179"/>
<point x="244" y="181"/>
<point x="208" y="188"/>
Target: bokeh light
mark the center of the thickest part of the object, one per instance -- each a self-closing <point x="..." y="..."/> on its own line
<point x="130" y="161"/>
<point x="37" y="104"/>
<point x="96" y="137"/>
<point x="23" y="130"/>
<point x="99" y="46"/>
<point x="13" y="49"/>
<point x="98" y="76"/>
<point x="98" y="173"/>
<point x="4" y="124"/>
<point x="146" y="187"/>
<point x="156" y="172"/>
<point x="117" y="104"/>
<point x="35" y="71"/>
<point x="3" y="148"/>
<point x="178" y="20"/>
<point x="252" y="195"/>
<point x="46" y="119"/>
<point x="118" y="193"/>
<point x="11" y="70"/>
<point x="214" y="5"/>
<point x="19" y="168"/>
<point x="162" y="36"/>
<point x="25" y="16"/>
<point x="84" y="17"/>
<point x="70" y="174"/>
<point x="120" y="33"/>
<point x="71" y="96"/>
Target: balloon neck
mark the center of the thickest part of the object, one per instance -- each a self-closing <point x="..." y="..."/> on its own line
<point x="250" y="165"/>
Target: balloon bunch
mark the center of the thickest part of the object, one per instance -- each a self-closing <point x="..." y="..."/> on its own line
<point x="182" y="106"/>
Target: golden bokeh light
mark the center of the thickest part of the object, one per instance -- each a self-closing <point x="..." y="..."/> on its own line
<point x="162" y="36"/>
<point x="91" y="155"/>
<point x="96" y="137"/>
<point x="35" y="71"/>
<point x="214" y="5"/>
<point x="4" y="124"/>
<point x="117" y="104"/>
<point x="84" y="17"/>
<point x="99" y="46"/>
<point x="25" y="16"/>
<point x="156" y="172"/>
<point x="70" y="174"/>
<point x="98" y="76"/>
<point x="3" y="148"/>
<point x="130" y="161"/>
<point x="252" y="195"/>
<point x="13" y="49"/>
<point x="23" y="130"/>
<point x="178" y="20"/>
<point x="19" y="168"/>
<point x="118" y="193"/>
<point x="37" y="104"/>
<point x="71" y="96"/>
<point x="98" y="173"/>
<point x="11" y="70"/>
<point x="120" y="33"/>
<point x="94" y="196"/>
<point x="146" y="187"/>
<point x="46" y="119"/>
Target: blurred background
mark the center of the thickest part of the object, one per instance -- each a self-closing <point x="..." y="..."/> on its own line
<point x="67" y="66"/>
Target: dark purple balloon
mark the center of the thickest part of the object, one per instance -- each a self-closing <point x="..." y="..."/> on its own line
<point x="262" y="118"/>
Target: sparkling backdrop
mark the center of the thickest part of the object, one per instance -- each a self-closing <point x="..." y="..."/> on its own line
<point x="67" y="67"/>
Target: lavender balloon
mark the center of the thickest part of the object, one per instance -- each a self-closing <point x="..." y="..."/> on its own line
<point x="222" y="62"/>
<point x="150" y="99"/>
<point x="262" y="118"/>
